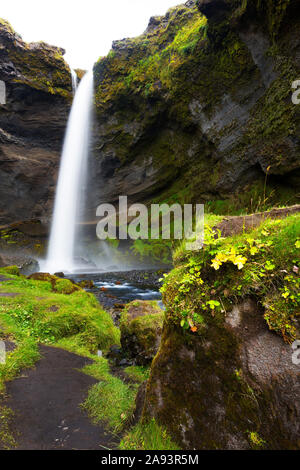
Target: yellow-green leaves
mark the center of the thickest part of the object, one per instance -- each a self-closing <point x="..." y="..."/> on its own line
<point x="232" y="257"/>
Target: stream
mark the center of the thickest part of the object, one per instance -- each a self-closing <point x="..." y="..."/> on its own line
<point x="121" y="287"/>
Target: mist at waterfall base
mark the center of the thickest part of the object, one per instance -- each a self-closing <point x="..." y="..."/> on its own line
<point x="69" y="250"/>
<point x="71" y="180"/>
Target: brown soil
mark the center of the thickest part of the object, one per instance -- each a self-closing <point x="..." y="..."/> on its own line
<point x="233" y="225"/>
<point x="8" y="294"/>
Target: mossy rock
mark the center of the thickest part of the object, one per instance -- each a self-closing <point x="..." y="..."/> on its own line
<point x="61" y="286"/>
<point x="191" y="86"/>
<point x="65" y="286"/>
<point x="141" y="328"/>
<point x="80" y="73"/>
<point x="87" y="284"/>
<point x="36" y="64"/>
<point x="226" y="369"/>
<point x="42" y="277"/>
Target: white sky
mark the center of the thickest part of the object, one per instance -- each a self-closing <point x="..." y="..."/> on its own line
<point x="84" y="28"/>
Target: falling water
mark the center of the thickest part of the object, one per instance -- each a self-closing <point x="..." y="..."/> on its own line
<point x="70" y="181"/>
<point x="74" y="80"/>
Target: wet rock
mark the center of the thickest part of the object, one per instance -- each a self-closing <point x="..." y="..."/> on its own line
<point x="115" y="352"/>
<point x="87" y="284"/>
<point x="125" y="362"/>
<point x="214" y="10"/>
<point x="32" y="124"/>
<point x="60" y="274"/>
<point x="211" y="391"/>
<point x="29" y="267"/>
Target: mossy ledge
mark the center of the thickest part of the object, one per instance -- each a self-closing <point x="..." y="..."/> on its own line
<point x="37" y="64"/>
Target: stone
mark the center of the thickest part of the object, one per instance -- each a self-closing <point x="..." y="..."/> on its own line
<point x="141" y="326"/>
<point x="32" y="124"/>
<point x="211" y="390"/>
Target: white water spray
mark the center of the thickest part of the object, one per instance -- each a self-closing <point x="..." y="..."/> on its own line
<point x="70" y="181"/>
<point x="74" y="80"/>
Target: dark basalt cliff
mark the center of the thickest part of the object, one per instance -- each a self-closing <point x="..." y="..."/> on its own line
<point x="199" y="106"/>
<point x="32" y="124"/>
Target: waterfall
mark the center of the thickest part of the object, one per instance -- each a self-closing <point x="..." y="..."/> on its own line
<point x="71" y="180"/>
<point x="74" y="80"/>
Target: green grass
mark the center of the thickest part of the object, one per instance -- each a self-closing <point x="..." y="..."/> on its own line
<point x="49" y="317"/>
<point x="72" y="322"/>
<point x="138" y="374"/>
<point x="7" y="438"/>
<point x="111" y="400"/>
<point x="148" y="436"/>
<point x="38" y="315"/>
<point x="23" y="357"/>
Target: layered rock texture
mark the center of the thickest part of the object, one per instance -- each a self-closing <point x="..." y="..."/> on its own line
<point x="38" y="92"/>
<point x="199" y="107"/>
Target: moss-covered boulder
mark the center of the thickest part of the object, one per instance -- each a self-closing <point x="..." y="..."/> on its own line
<point x="141" y="327"/>
<point x="61" y="286"/>
<point x="225" y="375"/>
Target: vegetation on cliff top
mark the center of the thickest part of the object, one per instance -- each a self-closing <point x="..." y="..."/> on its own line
<point x="37" y="65"/>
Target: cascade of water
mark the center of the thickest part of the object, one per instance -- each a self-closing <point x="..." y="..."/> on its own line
<point x="71" y="174"/>
<point x="74" y="81"/>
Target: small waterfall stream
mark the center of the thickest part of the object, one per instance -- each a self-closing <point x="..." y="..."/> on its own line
<point x="71" y="178"/>
<point x="74" y="80"/>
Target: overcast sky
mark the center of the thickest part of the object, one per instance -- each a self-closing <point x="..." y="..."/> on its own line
<point x="84" y="28"/>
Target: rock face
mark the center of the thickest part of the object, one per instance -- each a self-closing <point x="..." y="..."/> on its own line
<point x="200" y="106"/>
<point x="32" y="124"/>
<point x="212" y="393"/>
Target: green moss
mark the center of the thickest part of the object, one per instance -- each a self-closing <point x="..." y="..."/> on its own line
<point x="64" y="286"/>
<point x="6" y="25"/>
<point x="23" y="357"/>
<point x="141" y="324"/>
<point x="39" y="65"/>
<point x="257" y="442"/>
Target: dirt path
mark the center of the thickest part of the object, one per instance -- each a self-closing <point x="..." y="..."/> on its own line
<point x="233" y="225"/>
<point x="46" y="402"/>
